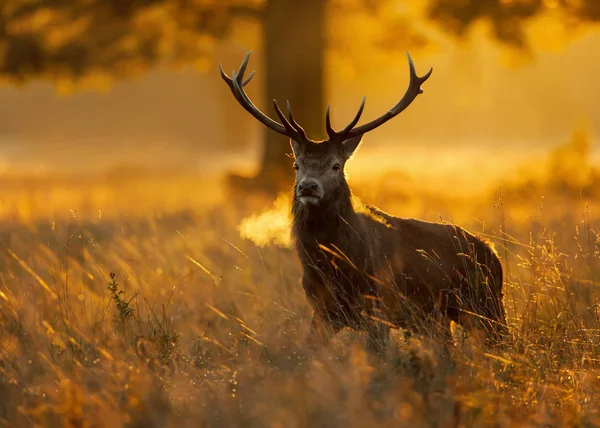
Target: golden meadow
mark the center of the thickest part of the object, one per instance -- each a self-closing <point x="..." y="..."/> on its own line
<point x="133" y="299"/>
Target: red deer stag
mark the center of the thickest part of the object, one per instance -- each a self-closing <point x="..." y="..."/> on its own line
<point x="366" y="269"/>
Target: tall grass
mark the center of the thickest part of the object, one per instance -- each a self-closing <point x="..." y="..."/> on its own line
<point x="173" y="319"/>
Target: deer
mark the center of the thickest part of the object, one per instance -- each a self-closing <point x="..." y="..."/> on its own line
<point x="364" y="268"/>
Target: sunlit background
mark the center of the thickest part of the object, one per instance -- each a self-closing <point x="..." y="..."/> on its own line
<point x="506" y="91"/>
<point x="147" y="275"/>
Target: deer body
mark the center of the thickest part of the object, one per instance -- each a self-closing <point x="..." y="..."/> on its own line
<point x="366" y="269"/>
<point x="398" y="270"/>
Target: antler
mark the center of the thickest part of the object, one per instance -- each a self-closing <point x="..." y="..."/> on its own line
<point x="236" y="83"/>
<point x="414" y="89"/>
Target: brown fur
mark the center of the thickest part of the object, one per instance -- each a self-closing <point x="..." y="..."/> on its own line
<point x="370" y="269"/>
<point x="366" y="269"/>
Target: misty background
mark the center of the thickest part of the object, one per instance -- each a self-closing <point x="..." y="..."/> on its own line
<point x="483" y="110"/>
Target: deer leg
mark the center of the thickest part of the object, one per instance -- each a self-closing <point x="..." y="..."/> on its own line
<point x="487" y="324"/>
<point x="497" y="329"/>
<point x="446" y="335"/>
<point x="321" y="330"/>
<point x="436" y="326"/>
<point x="378" y="335"/>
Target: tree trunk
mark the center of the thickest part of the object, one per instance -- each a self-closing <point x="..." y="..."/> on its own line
<point x="294" y="40"/>
<point x="294" y="59"/>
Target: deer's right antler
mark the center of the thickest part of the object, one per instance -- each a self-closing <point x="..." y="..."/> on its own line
<point x="236" y="83"/>
<point x="414" y="89"/>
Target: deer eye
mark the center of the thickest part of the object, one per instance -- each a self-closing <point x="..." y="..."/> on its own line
<point x="336" y="167"/>
<point x="296" y="167"/>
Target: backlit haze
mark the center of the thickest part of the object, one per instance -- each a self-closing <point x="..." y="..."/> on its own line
<point x="479" y="118"/>
<point x="490" y="117"/>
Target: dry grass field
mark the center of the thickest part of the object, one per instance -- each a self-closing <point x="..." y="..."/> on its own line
<point x="131" y="301"/>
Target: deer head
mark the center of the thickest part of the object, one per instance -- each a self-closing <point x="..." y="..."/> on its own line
<point x="320" y="165"/>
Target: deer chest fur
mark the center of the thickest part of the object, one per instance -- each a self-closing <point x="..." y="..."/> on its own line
<point x="336" y="276"/>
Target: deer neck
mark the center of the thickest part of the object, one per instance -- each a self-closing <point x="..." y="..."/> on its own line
<point x="331" y="222"/>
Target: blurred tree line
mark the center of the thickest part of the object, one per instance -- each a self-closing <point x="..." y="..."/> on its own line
<point x="84" y="40"/>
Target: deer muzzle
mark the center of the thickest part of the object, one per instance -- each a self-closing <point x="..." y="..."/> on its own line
<point x="309" y="192"/>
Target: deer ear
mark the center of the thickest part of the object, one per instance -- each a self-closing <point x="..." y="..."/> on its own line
<point x="350" y="145"/>
<point x="295" y="147"/>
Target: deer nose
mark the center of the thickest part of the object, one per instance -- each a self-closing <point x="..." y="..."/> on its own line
<point x="307" y="187"/>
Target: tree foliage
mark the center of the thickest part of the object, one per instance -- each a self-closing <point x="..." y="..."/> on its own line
<point x="508" y="18"/>
<point x="74" y="40"/>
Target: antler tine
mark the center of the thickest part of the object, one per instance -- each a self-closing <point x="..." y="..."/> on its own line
<point x="248" y="79"/>
<point x="243" y="67"/>
<point x="228" y="79"/>
<point x="240" y="74"/>
<point x="283" y="119"/>
<point x="414" y="89"/>
<point x="338" y="135"/>
<point x="330" y="131"/>
<point x="354" y="121"/>
<point x="236" y="83"/>
<point x="230" y="82"/>
<point x="295" y="124"/>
